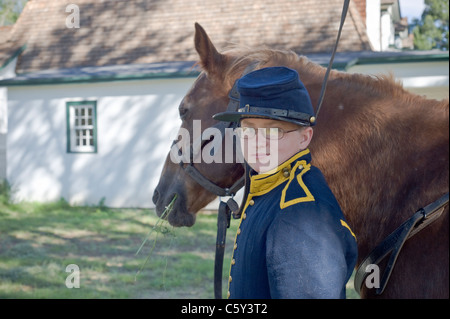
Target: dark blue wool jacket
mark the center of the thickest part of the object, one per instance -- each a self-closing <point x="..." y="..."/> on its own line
<point x="293" y="240"/>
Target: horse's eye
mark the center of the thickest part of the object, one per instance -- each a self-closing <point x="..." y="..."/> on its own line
<point x="183" y="112"/>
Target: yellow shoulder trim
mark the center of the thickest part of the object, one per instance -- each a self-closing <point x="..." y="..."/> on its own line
<point x="308" y="198"/>
<point x="348" y="227"/>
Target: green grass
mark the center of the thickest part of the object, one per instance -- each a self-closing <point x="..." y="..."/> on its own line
<point x="38" y="241"/>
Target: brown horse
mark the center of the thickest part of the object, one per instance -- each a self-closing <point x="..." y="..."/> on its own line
<point x="383" y="151"/>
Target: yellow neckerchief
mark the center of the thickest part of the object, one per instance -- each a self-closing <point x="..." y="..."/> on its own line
<point x="263" y="183"/>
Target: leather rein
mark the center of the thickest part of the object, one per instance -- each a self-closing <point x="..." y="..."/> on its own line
<point x="226" y="208"/>
<point x="393" y="243"/>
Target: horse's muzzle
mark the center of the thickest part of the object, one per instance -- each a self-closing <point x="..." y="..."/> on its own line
<point x="178" y="216"/>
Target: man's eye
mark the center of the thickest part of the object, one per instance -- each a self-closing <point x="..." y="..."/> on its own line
<point x="245" y="132"/>
<point x="273" y="133"/>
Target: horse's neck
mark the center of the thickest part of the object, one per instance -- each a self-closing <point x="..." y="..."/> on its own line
<point x="371" y="147"/>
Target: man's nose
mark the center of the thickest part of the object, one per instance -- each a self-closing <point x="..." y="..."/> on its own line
<point x="261" y="140"/>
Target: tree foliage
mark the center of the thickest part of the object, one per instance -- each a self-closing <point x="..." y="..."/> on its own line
<point x="431" y="31"/>
<point x="10" y="11"/>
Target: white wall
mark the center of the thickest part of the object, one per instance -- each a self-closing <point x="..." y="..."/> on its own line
<point x="373" y="20"/>
<point x="6" y="72"/>
<point x="3" y="130"/>
<point x="137" y="120"/>
<point x="425" y="78"/>
<point x="387" y="30"/>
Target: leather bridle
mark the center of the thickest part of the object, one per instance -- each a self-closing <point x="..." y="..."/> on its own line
<point x="195" y="174"/>
<point x="226" y="208"/>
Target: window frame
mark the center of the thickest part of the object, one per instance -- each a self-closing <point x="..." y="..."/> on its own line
<point x="72" y="126"/>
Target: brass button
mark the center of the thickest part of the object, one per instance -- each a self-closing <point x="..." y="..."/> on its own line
<point x="312" y="120"/>
<point x="239" y="231"/>
<point x="228" y="294"/>
<point x="286" y="172"/>
<point x="235" y="246"/>
<point x="244" y="216"/>
<point x="251" y="202"/>
<point x="230" y="279"/>
<point x="233" y="262"/>
<point x="300" y="166"/>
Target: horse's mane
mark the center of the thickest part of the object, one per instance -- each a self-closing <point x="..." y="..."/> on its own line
<point x="374" y="85"/>
<point x="263" y="57"/>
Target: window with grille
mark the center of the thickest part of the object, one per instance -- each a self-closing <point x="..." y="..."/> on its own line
<point x="82" y="127"/>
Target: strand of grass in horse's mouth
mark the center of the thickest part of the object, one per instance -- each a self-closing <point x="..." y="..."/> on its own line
<point x="158" y="227"/>
<point x="168" y="209"/>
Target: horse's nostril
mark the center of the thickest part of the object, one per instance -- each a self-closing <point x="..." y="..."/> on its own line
<point x="155" y="196"/>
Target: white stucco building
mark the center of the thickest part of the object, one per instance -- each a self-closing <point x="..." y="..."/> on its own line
<point x="92" y="122"/>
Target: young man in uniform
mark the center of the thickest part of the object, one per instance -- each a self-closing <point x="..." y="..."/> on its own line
<point x="293" y="240"/>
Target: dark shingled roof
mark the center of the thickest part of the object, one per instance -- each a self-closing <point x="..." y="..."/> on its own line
<point x="120" y="32"/>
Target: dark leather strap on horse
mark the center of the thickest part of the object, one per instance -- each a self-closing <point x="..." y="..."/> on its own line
<point x="223" y="223"/>
<point x="196" y="175"/>
<point x="210" y="186"/>
<point x="394" y="242"/>
<point x="327" y="74"/>
<point x="229" y="208"/>
<point x="225" y="209"/>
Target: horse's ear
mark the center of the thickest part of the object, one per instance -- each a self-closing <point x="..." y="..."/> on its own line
<point x="210" y="59"/>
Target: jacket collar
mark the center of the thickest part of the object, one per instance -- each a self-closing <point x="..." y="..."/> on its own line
<point x="263" y="183"/>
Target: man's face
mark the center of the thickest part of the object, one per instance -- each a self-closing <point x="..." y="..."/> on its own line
<point x="267" y="143"/>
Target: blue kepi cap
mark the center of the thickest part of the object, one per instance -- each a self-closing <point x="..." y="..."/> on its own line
<point x="274" y="93"/>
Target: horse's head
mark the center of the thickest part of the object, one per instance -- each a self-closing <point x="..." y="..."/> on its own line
<point x="208" y="95"/>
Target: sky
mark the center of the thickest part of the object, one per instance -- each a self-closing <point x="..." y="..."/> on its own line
<point x="412" y="8"/>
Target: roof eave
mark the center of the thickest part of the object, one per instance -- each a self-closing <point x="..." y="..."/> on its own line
<point x="170" y="70"/>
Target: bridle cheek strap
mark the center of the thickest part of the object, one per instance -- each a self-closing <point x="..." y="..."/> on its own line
<point x="196" y="175"/>
<point x="226" y="209"/>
